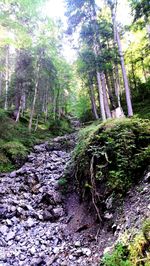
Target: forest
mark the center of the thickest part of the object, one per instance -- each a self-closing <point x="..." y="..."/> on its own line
<point x="76" y="125"/>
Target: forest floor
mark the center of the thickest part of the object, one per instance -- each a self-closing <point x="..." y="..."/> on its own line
<point x="42" y="223"/>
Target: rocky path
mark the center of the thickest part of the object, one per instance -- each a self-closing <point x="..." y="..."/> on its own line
<point x="37" y="228"/>
<point x="40" y="225"/>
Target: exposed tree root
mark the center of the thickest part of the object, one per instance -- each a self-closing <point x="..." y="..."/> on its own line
<point x="93" y="189"/>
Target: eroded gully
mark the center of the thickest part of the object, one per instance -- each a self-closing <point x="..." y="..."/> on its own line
<point x="40" y="225"/>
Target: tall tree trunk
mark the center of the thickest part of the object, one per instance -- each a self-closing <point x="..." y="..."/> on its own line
<point x="23" y="102"/>
<point x="143" y="68"/>
<point x="133" y="72"/>
<point x="111" y="97"/>
<point x="106" y="103"/>
<point x="18" y="113"/>
<point x="1" y="76"/>
<point x="100" y="84"/>
<point x="96" y="48"/>
<point x="124" y="74"/>
<point x="37" y="122"/>
<point x="6" y="78"/>
<point x="34" y="99"/>
<point x="101" y="98"/>
<point x="92" y="98"/>
<point x="117" y="85"/>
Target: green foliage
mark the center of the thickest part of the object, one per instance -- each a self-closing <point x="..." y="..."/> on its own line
<point x="117" y="258"/>
<point x="16" y="141"/>
<point x="14" y="150"/>
<point x="135" y="252"/>
<point x="83" y="109"/>
<point x="60" y="126"/>
<point x="117" y="151"/>
<point x="5" y="164"/>
<point x="146" y="230"/>
<point x="62" y="182"/>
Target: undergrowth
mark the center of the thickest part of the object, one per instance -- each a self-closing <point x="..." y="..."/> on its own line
<point x="110" y="157"/>
<point x="16" y="141"/>
<point x="133" y="252"/>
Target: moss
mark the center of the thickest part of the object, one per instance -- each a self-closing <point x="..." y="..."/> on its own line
<point x="15" y="149"/>
<point x="111" y="156"/>
<point x="5" y="164"/>
<point x="16" y="141"/>
<point x="117" y="258"/>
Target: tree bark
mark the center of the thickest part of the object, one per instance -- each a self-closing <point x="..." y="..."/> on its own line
<point x="34" y="99"/>
<point x="96" y="48"/>
<point x="101" y="98"/>
<point x="92" y="98"/>
<point x="117" y="85"/>
<point x="111" y="97"/>
<point x="6" y="77"/>
<point x="133" y="72"/>
<point x="1" y="75"/>
<point x="124" y="74"/>
<point x="37" y="122"/>
<point x="106" y="103"/>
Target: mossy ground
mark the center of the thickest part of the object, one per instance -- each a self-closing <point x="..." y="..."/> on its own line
<point x="16" y="141"/>
<point x="110" y="157"/>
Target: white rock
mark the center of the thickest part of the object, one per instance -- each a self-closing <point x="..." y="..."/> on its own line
<point x="13" y="208"/>
<point x="106" y="250"/>
<point x="4" y="229"/>
<point x="9" y="222"/>
<point x="30" y="222"/>
<point x="32" y="250"/>
<point x="13" y="174"/>
<point x="71" y="257"/>
<point x="108" y="215"/>
<point x="86" y="251"/>
<point x="56" y="250"/>
<point x="10" y="236"/>
<point x="78" y="244"/>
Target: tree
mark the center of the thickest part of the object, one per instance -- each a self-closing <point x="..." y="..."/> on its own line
<point x="112" y="5"/>
<point x="83" y="13"/>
